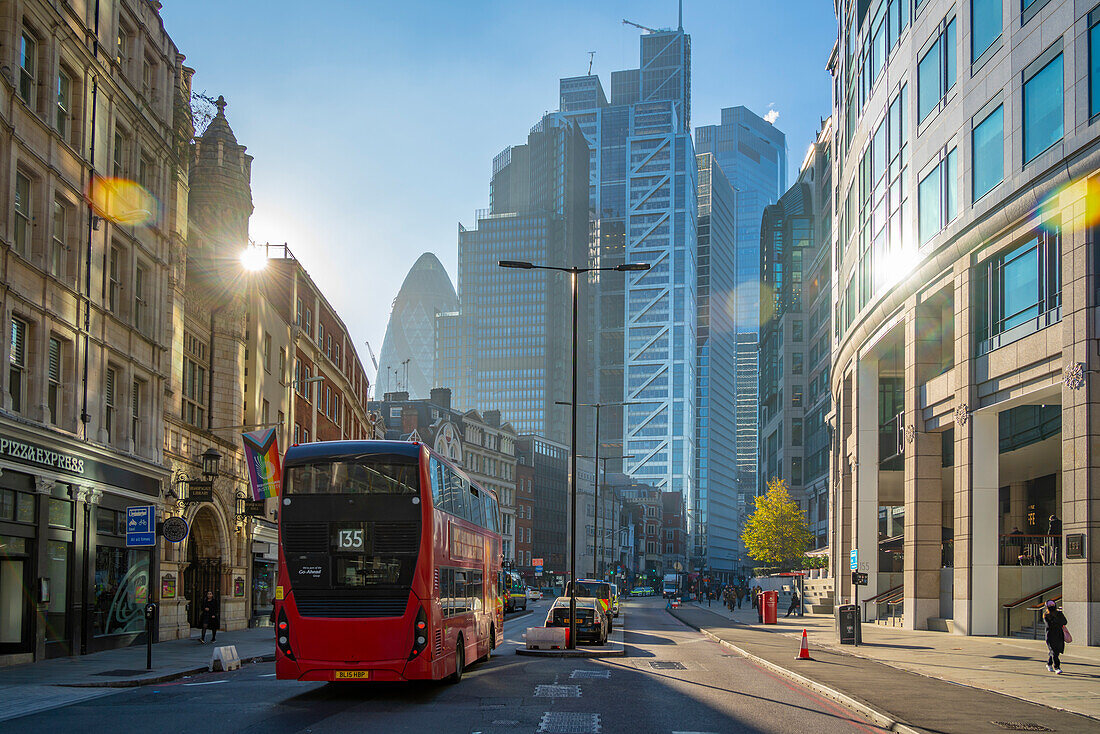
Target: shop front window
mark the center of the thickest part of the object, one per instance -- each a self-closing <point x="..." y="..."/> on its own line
<point x="13" y="596"/>
<point x="263" y="587"/>
<point x="57" y="571"/>
<point x="121" y="590"/>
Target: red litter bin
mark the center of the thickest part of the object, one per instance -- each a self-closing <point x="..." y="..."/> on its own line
<point x="771" y="607"/>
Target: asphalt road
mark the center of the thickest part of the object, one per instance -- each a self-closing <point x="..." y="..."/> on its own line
<point x="672" y="680"/>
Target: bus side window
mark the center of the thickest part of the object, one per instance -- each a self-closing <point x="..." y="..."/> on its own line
<point x="435" y="470"/>
<point x="495" y="517"/>
<point x="459" y="490"/>
<point x="473" y="507"/>
<point x="487" y="508"/>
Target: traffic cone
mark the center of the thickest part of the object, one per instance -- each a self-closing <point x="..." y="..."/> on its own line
<point x="804" y="651"/>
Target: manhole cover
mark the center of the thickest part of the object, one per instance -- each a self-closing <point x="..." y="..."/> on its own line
<point x="557" y="691"/>
<point x="591" y="674"/>
<point x="120" y="672"/>
<point x="565" y="722"/>
<point x="666" y="665"/>
<point x="1021" y="726"/>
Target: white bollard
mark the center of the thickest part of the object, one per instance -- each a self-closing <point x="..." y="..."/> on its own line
<point x="225" y="658"/>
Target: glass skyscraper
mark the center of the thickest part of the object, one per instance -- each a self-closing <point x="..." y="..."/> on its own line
<point x="514" y="325"/>
<point x="715" y="525"/>
<point x="753" y="155"/>
<point x="642" y="191"/>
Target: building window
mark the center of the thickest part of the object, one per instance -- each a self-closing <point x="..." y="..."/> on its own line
<point x="938" y="197"/>
<point x="309" y="322"/>
<point x="985" y="26"/>
<point x="17" y="364"/>
<point x="22" y="213"/>
<point x="137" y="399"/>
<point x="114" y="286"/>
<point x="796" y="331"/>
<point x="297" y="433"/>
<point x="989" y="152"/>
<point x="796" y="397"/>
<point x="265" y="410"/>
<point x="796" y="431"/>
<point x="298" y="313"/>
<point x="1094" y="62"/>
<point x="282" y="365"/>
<point x="53" y="389"/>
<point x="28" y="57"/>
<point x="1019" y="291"/>
<point x="109" y="386"/>
<point x="141" y="304"/>
<point x="58" y="250"/>
<point x="320" y="335"/>
<point x="118" y="154"/>
<point x="64" y="104"/>
<point x="936" y="72"/>
<point x="796" y="470"/>
<point x="193" y="409"/>
<point x="1043" y="101"/>
<point x="266" y="349"/>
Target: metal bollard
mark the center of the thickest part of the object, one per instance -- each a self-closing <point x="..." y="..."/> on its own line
<point x="150" y="617"/>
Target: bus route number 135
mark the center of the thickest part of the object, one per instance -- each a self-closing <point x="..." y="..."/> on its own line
<point x="349" y="539"/>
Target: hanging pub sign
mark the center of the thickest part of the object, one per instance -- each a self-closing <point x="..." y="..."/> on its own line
<point x="265" y="473"/>
<point x="253" y="508"/>
<point x="199" y="491"/>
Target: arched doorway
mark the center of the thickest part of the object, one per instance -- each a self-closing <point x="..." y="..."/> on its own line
<point x="204" y="563"/>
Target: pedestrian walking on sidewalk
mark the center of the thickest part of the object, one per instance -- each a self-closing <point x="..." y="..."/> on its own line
<point x="793" y="607"/>
<point x="209" y="618"/>
<point x="1056" y="638"/>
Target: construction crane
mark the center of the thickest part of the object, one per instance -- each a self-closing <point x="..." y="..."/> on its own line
<point x="639" y="25"/>
<point x="374" y="361"/>
<point x="591" y="58"/>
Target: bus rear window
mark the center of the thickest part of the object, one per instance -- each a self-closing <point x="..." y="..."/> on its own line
<point x="360" y="476"/>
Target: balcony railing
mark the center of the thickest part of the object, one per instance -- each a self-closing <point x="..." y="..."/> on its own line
<point x="1030" y="550"/>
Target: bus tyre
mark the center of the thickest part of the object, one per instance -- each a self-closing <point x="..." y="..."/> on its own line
<point x="460" y="661"/>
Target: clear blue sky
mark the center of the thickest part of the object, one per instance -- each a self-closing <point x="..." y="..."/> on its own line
<point x="373" y="124"/>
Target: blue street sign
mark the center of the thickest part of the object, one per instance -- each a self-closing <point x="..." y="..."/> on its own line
<point x="853" y="559"/>
<point x="141" y="526"/>
<point x="538" y="569"/>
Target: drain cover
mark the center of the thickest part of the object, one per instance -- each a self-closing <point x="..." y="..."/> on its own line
<point x="565" y="722"/>
<point x="591" y="674"/>
<point x="557" y="691"/>
<point x="121" y="672"/>
<point x="666" y="665"/>
<point x="1021" y="726"/>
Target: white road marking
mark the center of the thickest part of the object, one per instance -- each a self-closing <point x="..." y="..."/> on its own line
<point x="269" y="675"/>
<point x="207" y="683"/>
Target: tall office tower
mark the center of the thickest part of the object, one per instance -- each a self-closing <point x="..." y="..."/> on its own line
<point x="407" y="360"/>
<point x="515" y="324"/>
<point x="642" y="180"/>
<point x="753" y="155"/>
<point x="715" y="525"/>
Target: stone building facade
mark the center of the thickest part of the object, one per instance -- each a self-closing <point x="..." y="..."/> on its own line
<point x="87" y="309"/>
<point x="964" y="454"/>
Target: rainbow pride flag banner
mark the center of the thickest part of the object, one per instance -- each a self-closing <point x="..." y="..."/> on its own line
<point x="265" y="471"/>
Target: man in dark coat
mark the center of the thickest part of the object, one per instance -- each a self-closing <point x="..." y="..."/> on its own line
<point x="210" y="617"/>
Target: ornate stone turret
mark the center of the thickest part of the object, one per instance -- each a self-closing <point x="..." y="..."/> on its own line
<point x="221" y="191"/>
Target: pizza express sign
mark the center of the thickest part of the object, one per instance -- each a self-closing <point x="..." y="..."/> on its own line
<point x="38" y="455"/>
<point x="71" y="463"/>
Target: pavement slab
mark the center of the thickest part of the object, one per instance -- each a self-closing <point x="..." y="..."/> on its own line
<point x="922" y="702"/>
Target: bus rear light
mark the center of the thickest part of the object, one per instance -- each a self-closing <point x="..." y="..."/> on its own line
<point x="420" y="640"/>
<point x="283" y="640"/>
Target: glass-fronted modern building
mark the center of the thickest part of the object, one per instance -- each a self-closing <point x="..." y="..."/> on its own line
<point x="753" y="154"/>
<point x="642" y="190"/>
<point x="715" y="524"/>
<point x="514" y="325"/>
<point x="407" y="361"/>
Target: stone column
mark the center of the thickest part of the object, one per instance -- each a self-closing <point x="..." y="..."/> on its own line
<point x="841" y="487"/>
<point x="865" y="520"/>
<point x="977" y="490"/>
<point x="1080" y="511"/>
<point x="923" y="486"/>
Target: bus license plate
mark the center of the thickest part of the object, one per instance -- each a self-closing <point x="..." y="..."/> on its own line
<point x="351" y="675"/>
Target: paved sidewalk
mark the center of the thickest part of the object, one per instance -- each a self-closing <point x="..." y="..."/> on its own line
<point x="910" y="675"/>
<point x="26" y="689"/>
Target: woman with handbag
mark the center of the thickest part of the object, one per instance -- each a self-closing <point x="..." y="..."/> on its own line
<point x="1057" y="635"/>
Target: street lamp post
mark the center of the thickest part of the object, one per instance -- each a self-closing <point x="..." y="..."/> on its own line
<point x="573" y="273"/>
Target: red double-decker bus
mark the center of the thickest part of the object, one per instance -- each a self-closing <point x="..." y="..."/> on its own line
<point x="389" y="565"/>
